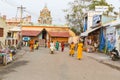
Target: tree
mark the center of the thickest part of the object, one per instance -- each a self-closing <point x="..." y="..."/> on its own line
<point x="101" y="3"/>
<point x="75" y="15"/>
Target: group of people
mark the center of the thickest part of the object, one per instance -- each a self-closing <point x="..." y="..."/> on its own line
<point x="71" y="47"/>
<point x="33" y="45"/>
<point x="57" y="45"/>
<point x="79" y="49"/>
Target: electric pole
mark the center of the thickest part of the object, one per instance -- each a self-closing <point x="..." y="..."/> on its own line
<point x="21" y="11"/>
<point x="21" y="8"/>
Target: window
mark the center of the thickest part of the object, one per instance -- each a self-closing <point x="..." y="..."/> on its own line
<point x="8" y="34"/>
<point x="1" y="32"/>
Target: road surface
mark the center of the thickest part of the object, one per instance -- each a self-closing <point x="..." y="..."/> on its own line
<point x="41" y="65"/>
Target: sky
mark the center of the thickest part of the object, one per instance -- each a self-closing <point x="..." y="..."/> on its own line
<point x="33" y="8"/>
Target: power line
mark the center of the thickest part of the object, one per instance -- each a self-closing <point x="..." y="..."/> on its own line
<point x="13" y="5"/>
<point x="28" y="11"/>
<point x="23" y="9"/>
<point x="9" y="3"/>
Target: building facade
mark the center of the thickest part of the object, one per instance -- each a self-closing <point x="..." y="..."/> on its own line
<point x="13" y="29"/>
<point x="94" y="33"/>
<point x="45" y="34"/>
<point x="3" y="30"/>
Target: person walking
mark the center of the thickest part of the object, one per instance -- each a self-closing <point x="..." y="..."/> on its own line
<point x="72" y="49"/>
<point x="36" y="45"/>
<point x="62" y="46"/>
<point x="52" y="47"/>
<point x="31" y="45"/>
<point x="79" y="50"/>
<point x="57" y="46"/>
<point x="48" y="44"/>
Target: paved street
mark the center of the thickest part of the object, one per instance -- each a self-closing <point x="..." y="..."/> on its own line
<point x="40" y="65"/>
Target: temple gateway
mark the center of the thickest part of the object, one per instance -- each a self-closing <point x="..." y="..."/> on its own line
<point x="44" y="31"/>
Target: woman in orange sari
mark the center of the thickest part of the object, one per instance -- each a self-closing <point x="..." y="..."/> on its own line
<point x="79" y="50"/>
<point x="72" y="49"/>
<point x="48" y="45"/>
<point x="31" y="45"/>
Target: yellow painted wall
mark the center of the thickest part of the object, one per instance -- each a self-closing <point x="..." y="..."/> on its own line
<point x="5" y="30"/>
<point x="60" y="39"/>
<point x="51" y="28"/>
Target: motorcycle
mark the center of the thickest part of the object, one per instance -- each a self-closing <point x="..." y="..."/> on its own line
<point x="114" y="55"/>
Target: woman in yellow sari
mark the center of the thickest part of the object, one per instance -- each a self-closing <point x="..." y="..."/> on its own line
<point x="79" y="50"/>
<point x="72" y="47"/>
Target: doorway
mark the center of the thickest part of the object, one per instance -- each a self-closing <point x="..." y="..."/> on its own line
<point x="44" y="34"/>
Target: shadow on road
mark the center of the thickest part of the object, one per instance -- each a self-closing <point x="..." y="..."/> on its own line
<point x="11" y="67"/>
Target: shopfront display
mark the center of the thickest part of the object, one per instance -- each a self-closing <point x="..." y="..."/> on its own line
<point x="91" y="42"/>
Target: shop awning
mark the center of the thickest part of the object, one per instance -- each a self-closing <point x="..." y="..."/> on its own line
<point x="89" y="31"/>
<point x="59" y="34"/>
<point x="30" y="33"/>
<point x="114" y="23"/>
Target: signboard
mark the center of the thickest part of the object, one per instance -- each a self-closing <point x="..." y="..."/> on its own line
<point x="118" y="31"/>
<point x="26" y="38"/>
<point x="96" y="18"/>
<point x="110" y="37"/>
<point x="101" y="8"/>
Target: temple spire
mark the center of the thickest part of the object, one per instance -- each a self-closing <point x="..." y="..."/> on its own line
<point x="45" y="5"/>
<point x="45" y="16"/>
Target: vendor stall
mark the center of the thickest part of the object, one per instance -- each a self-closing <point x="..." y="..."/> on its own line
<point x="5" y="55"/>
<point x="91" y="41"/>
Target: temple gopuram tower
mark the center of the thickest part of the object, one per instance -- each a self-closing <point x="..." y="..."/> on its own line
<point x="45" y="16"/>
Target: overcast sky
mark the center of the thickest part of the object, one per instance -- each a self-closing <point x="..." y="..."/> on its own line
<point x="33" y="7"/>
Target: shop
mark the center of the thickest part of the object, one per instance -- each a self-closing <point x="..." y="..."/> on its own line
<point x="94" y="28"/>
<point x="112" y="36"/>
<point x="91" y="39"/>
<point x="116" y="25"/>
<point x="118" y="38"/>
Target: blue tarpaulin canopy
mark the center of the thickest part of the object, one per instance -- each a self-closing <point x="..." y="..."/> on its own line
<point x="102" y="40"/>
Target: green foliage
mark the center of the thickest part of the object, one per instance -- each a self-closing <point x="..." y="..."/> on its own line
<point x="101" y="3"/>
<point x="74" y="15"/>
<point x="75" y="31"/>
